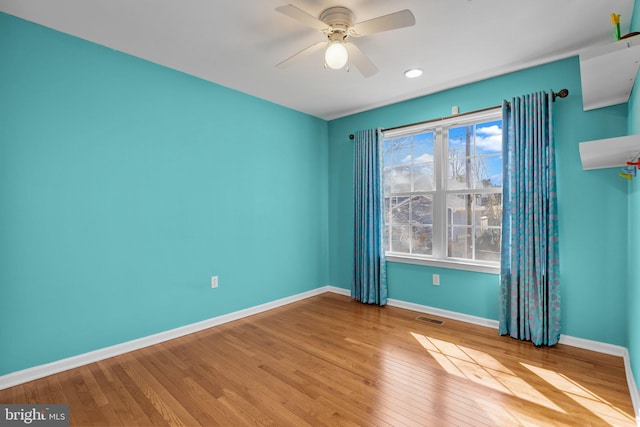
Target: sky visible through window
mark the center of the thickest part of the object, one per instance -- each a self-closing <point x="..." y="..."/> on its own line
<point x="487" y="149"/>
<point x="484" y="147"/>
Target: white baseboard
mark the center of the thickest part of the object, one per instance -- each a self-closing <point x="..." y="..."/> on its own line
<point x="336" y="290"/>
<point x="600" y="347"/>
<point x="633" y="388"/>
<point x="444" y="313"/>
<point x="36" y="372"/>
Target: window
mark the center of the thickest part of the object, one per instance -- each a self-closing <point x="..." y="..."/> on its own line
<point x="443" y="192"/>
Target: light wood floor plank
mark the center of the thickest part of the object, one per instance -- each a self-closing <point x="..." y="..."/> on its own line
<point x="329" y="361"/>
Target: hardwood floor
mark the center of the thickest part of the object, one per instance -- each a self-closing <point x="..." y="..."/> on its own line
<point x="330" y="361"/>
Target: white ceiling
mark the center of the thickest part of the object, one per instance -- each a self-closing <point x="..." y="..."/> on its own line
<point x="238" y="43"/>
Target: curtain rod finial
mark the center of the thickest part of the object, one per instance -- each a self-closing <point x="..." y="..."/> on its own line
<point x="351" y="136"/>
<point x="562" y="93"/>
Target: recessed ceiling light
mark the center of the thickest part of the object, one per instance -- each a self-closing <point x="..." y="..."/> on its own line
<point x="413" y="73"/>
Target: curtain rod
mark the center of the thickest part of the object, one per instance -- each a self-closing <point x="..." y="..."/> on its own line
<point x="562" y="93"/>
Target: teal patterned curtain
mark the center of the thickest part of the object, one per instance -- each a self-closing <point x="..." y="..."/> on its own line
<point x="529" y="277"/>
<point x="370" y="278"/>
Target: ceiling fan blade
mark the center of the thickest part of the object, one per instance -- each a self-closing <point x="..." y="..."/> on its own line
<point x="302" y="16"/>
<point x="361" y="61"/>
<point x="302" y="54"/>
<point x="401" y="19"/>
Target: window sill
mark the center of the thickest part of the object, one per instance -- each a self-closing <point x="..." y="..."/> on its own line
<point x="455" y="265"/>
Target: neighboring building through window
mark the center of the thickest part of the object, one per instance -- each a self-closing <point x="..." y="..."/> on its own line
<point x="443" y="191"/>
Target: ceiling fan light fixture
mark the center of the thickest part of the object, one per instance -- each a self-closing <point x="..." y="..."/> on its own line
<point x="412" y="73"/>
<point x="337" y="24"/>
<point x="336" y="55"/>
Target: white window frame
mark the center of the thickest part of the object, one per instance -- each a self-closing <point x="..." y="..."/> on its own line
<point x="439" y="257"/>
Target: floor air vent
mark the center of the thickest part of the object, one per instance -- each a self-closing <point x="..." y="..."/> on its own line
<point x="430" y="320"/>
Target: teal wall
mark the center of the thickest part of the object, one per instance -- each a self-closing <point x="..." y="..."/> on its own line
<point x="592" y="207"/>
<point x="633" y="242"/>
<point x="126" y="185"/>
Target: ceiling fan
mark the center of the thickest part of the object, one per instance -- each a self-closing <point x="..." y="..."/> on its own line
<point x="336" y="23"/>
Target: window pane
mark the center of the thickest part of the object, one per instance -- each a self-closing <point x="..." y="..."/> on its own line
<point x="410" y="224"/>
<point x="487" y="245"/>
<point x="489" y="138"/>
<point x="423" y="177"/>
<point x="460" y="142"/>
<point x="409" y="163"/>
<point x="489" y="210"/>
<point x="402" y="149"/>
<point x="387" y="179"/>
<point x="422" y="240"/>
<point x="422" y="210"/>
<point x="387" y="151"/>
<point x="400" y="179"/>
<point x="474" y="156"/>
<point x="459" y="209"/>
<point x="459" y="173"/>
<point x="474" y="226"/>
<point x="400" y="237"/>
<point x="460" y="242"/>
<point x="387" y="221"/>
<point x="488" y="171"/>
<point x="400" y="210"/>
<point x="387" y="238"/>
<point x="423" y="148"/>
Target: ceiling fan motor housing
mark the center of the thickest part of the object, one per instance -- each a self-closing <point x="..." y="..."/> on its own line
<point x="339" y="19"/>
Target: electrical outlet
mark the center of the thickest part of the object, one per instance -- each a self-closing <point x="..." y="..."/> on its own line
<point x="436" y="280"/>
<point x="214" y="281"/>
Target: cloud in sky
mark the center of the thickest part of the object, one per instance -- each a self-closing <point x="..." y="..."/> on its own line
<point x="489" y="138"/>
<point x="421" y="159"/>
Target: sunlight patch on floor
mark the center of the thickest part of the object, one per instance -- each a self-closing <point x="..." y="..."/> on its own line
<point x="483" y="369"/>
<point x="580" y="394"/>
